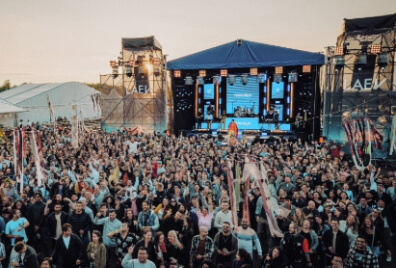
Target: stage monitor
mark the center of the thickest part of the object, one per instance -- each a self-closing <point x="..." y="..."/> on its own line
<point x="278" y="90"/>
<point x="243" y="99"/>
<point x="209" y="91"/>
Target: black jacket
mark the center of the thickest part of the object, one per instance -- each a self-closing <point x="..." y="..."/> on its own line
<point x="30" y="260"/>
<point x="80" y="222"/>
<point x="342" y="243"/>
<point x="69" y="256"/>
<point x="51" y="223"/>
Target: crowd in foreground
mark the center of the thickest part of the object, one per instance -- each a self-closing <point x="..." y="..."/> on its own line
<point x="151" y="200"/>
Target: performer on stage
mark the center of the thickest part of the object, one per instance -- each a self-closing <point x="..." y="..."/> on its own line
<point x="233" y="129"/>
<point x="210" y="112"/>
<point x="199" y="118"/>
<point x="223" y="121"/>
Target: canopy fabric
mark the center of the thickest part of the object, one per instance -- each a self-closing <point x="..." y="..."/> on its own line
<point x="6" y="107"/>
<point x="371" y="24"/>
<point x="141" y="43"/>
<point x="246" y="55"/>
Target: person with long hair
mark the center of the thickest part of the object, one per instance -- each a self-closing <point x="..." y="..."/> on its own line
<point x="373" y="235"/>
<point x="299" y="218"/>
<point x="164" y="209"/>
<point x="174" y="249"/>
<point x="352" y="229"/>
<point x="96" y="250"/>
<point x="187" y="234"/>
<point x="275" y="259"/>
<point x="146" y="242"/>
<point x="242" y="259"/>
<point x="46" y="263"/>
<point x="131" y="219"/>
<point x="160" y="248"/>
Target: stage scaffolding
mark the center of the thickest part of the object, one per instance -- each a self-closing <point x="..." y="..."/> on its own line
<point x="360" y="82"/>
<point x="135" y="94"/>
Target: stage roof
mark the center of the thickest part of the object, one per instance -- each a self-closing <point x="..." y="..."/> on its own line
<point x="141" y="43"/>
<point x="371" y="24"/>
<point x="248" y="54"/>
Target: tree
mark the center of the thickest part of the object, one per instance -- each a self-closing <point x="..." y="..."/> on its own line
<point x="6" y="86"/>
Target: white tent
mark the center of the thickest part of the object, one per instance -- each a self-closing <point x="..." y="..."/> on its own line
<point x="34" y="99"/>
<point x="8" y="113"/>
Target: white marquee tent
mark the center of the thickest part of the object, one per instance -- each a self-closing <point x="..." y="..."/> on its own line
<point x="33" y="100"/>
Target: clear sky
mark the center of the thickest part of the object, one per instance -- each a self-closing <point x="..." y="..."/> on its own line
<point x="73" y="40"/>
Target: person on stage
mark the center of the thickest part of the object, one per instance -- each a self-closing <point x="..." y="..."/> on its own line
<point x="233" y="129"/>
<point x="210" y="113"/>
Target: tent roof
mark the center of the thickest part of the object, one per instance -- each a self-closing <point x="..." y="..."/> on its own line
<point x="141" y="43"/>
<point x="27" y="91"/>
<point x="248" y="54"/>
<point x="6" y="107"/>
<point x="374" y="24"/>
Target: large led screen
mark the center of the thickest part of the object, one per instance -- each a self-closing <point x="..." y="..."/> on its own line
<point x="278" y="90"/>
<point x="243" y="98"/>
<point x="209" y="91"/>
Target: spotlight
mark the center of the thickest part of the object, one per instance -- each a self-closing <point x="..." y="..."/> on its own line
<point x="383" y="60"/>
<point x="253" y="71"/>
<point x="202" y="73"/>
<point x="244" y="79"/>
<point x="188" y="81"/>
<point x="278" y="78"/>
<point x="376" y="48"/>
<point x="201" y="80"/>
<point x="231" y="79"/>
<point x="115" y="72"/>
<point x="293" y="77"/>
<point x="262" y="78"/>
<point x="339" y="62"/>
<point x="224" y="72"/>
<point x="216" y="79"/>
<point x="128" y="71"/>
<point x="177" y="73"/>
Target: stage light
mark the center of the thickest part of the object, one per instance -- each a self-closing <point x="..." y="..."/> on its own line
<point x="361" y="59"/>
<point x="231" y="79"/>
<point x="177" y="73"/>
<point x="339" y="62"/>
<point x="244" y="79"/>
<point x="376" y="48"/>
<point x="188" y="81"/>
<point x="253" y="71"/>
<point x="279" y="70"/>
<point x="339" y="51"/>
<point x="128" y="71"/>
<point x="293" y="77"/>
<point x="278" y="78"/>
<point x="216" y="80"/>
<point x="383" y="60"/>
<point x="115" y="72"/>
<point x="201" y="80"/>
<point x="262" y="78"/>
<point x="307" y="68"/>
<point x="224" y="72"/>
<point x="202" y="73"/>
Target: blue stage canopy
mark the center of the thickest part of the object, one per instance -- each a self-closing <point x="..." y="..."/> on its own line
<point x="245" y="55"/>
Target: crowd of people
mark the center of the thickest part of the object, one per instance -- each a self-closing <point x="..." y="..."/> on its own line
<point x="152" y="200"/>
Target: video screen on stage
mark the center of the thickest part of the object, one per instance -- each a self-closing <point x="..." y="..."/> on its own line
<point x="209" y="91"/>
<point x="243" y="100"/>
<point x="278" y="90"/>
<point x="209" y="114"/>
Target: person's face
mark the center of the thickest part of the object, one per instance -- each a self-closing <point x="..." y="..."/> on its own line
<point x="161" y="239"/>
<point x="238" y="257"/>
<point x="145" y="206"/>
<point x="226" y="228"/>
<point x="292" y="229"/>
<point x="275" y="253"/>
<point x="306" y="225"/>
<point x="337" y="262"/>
<point x="335" y="225"/>
<point x="37" y="198"/>
<point x="204" y="232"/>
<point x="45" y="264"/>
<point x="361" y="244"/>
<point x="245" y="224"/>
<point x="58" y="209"/>
<point x="225" y="206"/>
<point x="95" y="238"/>
<point x="78" y="207"/>
<point x="171" y="238"/>
<point x="112" y="216"/>
<point x="142" y="256"/>
<point x="148" y="236"/>
<point x="204" y="211"/>
<point x="68" y="232"/>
